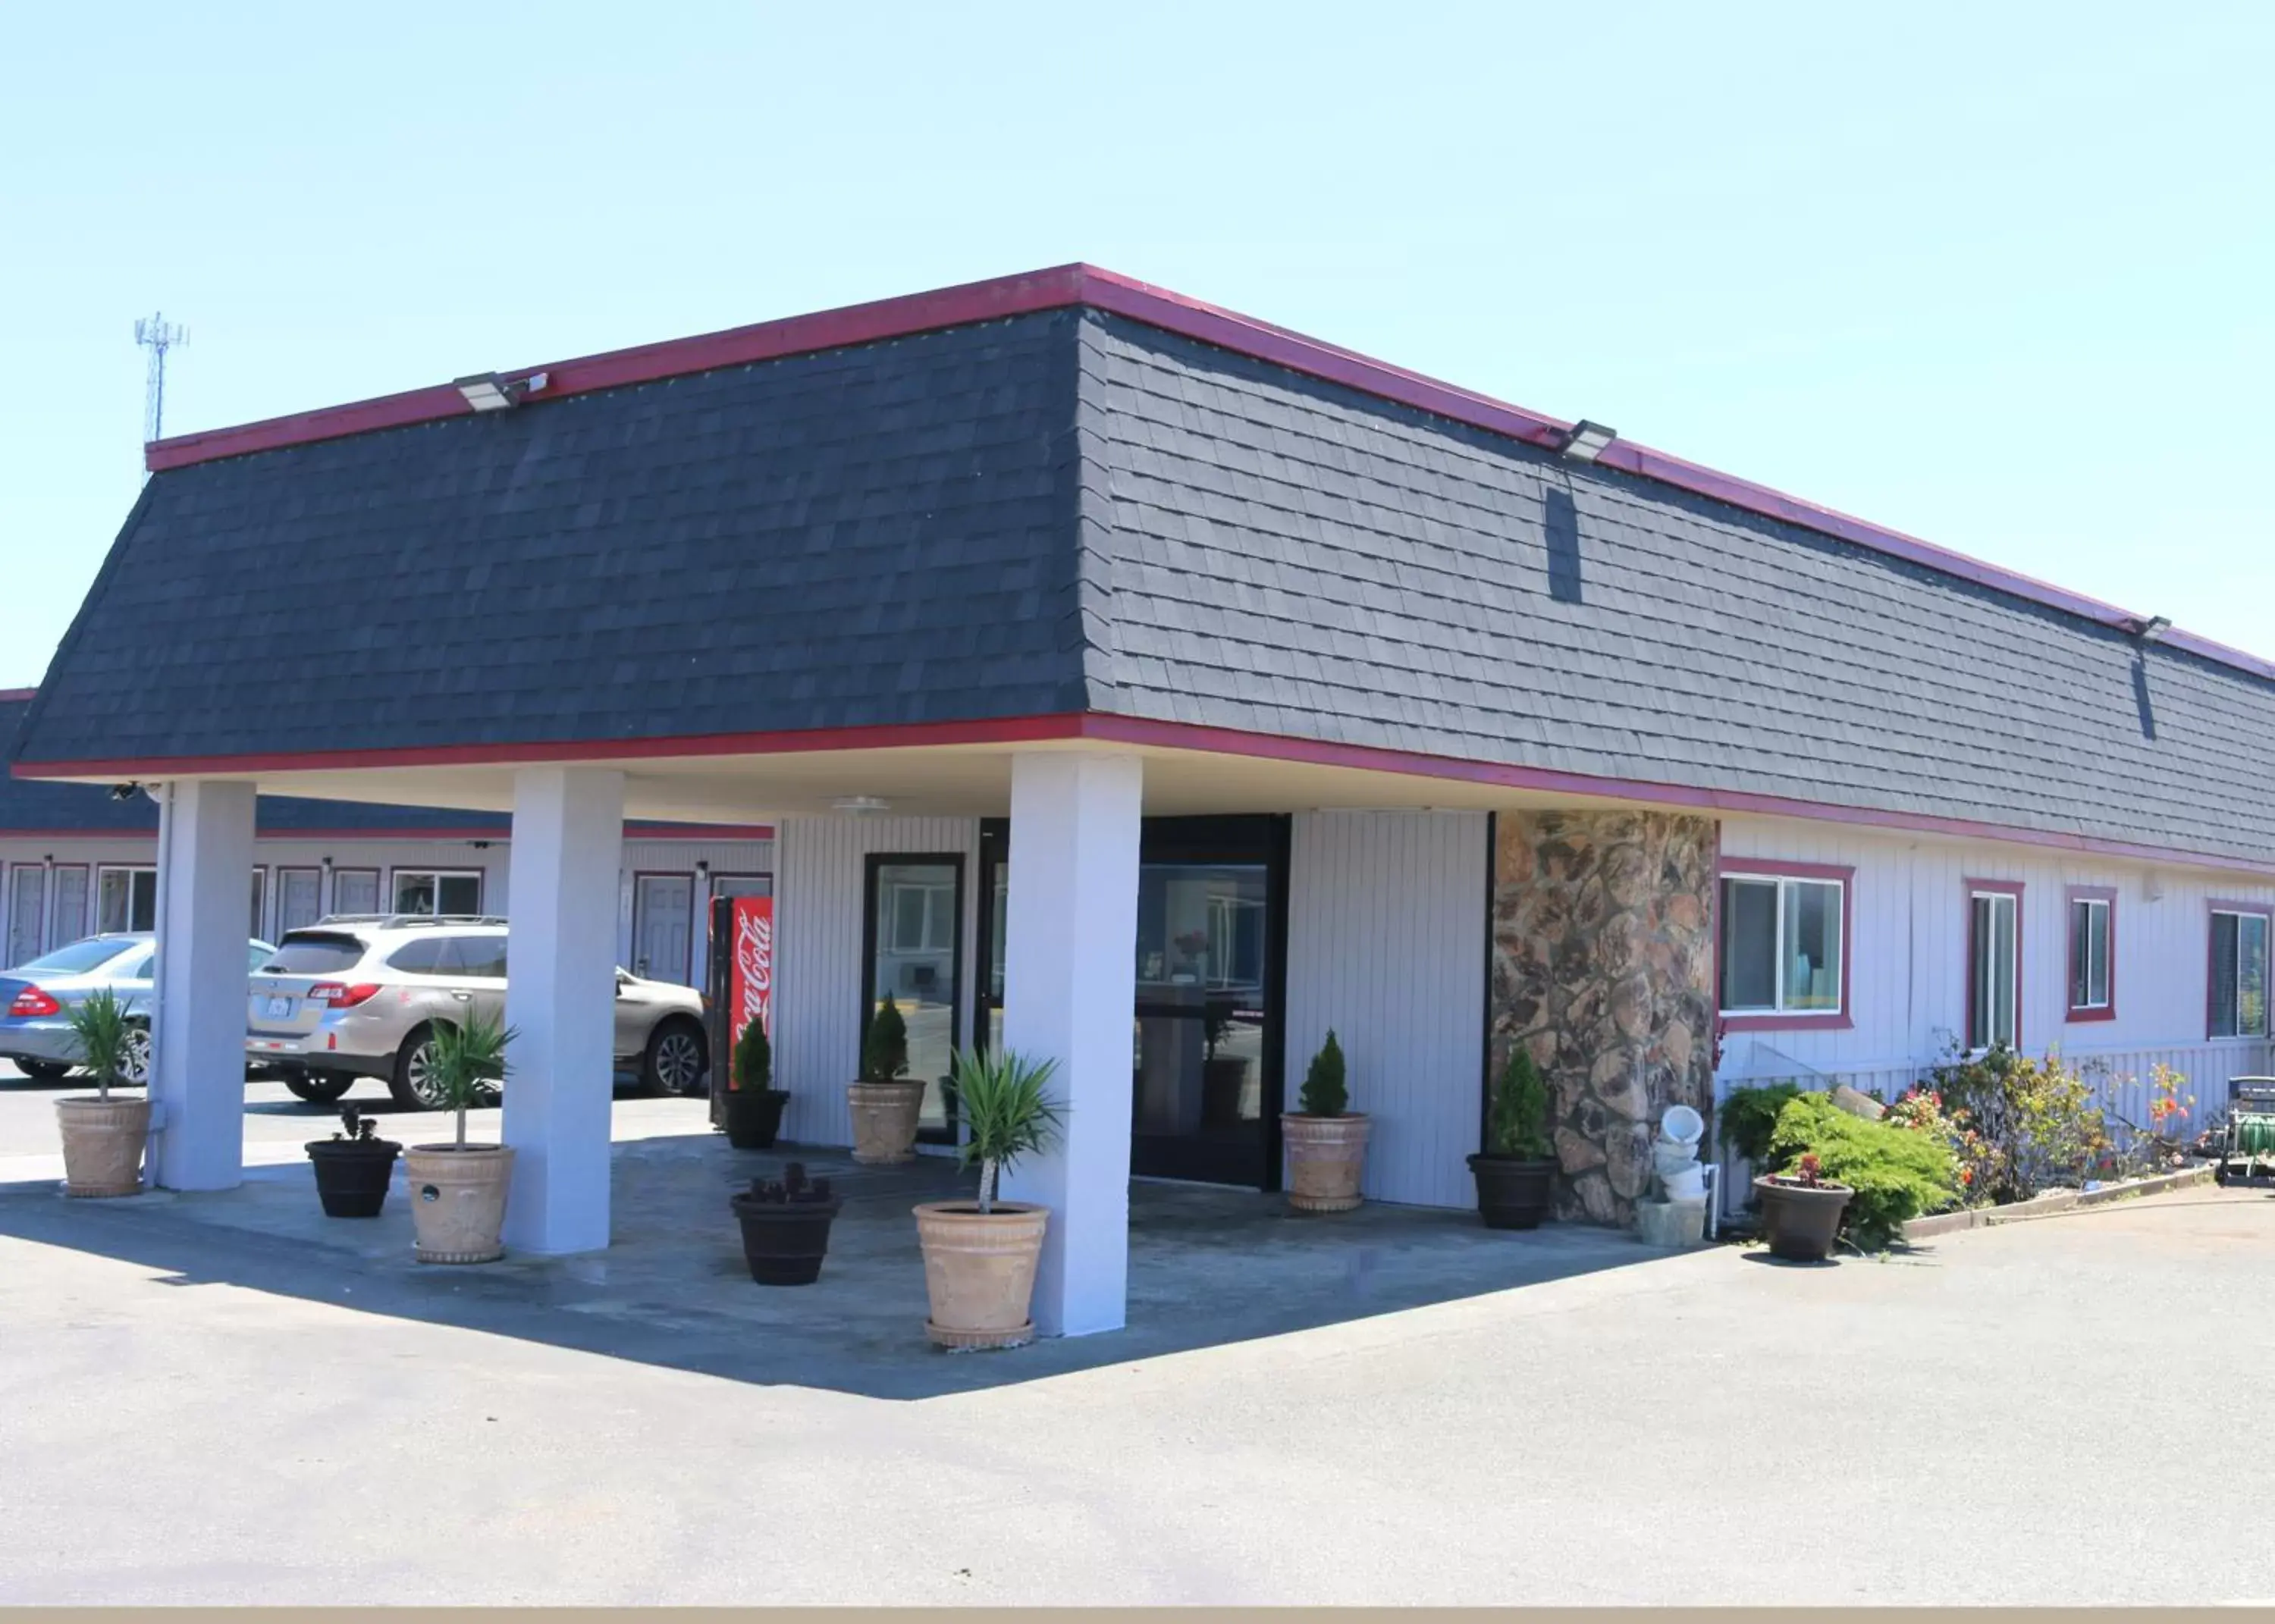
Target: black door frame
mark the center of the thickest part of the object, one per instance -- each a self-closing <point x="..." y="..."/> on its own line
<point x="1227" y="839"/>
<point x="871" y="863"/>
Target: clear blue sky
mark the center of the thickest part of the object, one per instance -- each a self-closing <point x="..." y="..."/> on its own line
<point x="1999" y="276"/>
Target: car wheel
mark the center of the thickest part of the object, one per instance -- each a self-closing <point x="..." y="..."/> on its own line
<point x="136" y="1069"/>
<point x="318" y="1088"/>
<point x="673" y="1063"/>
<point x="44" y="1071"/>
<point x="412" y="1084"/>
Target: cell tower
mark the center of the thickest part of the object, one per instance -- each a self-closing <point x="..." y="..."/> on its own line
<point x="156" y="335"/>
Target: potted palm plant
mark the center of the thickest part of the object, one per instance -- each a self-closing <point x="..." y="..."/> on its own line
<point x="103" y="1137"/>
<point x="353" y="1167"/>
<point x="979" y="1255"/>
<point x="1515" y="1172"/>
<point x="1326" y="1140"/>
<point x="887" y="1101"/>
<point x="459" y="1190"/>
<point x="754" y="1105"/>
<point x="786" y="1225"/>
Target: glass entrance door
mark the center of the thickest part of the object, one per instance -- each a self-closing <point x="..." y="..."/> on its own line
<point x="1205" y="1031"/>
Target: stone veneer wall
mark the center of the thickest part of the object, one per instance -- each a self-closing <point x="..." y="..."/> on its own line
<point x="1602" y="966"/>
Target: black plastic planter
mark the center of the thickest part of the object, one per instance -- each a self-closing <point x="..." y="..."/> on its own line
<point x="784" y="1242"/>
<point x="1513" y="1192"/>
<point x="352" y="1175"/>
<point x="754" y="1116"/>
<point x="1800" y="1221"/>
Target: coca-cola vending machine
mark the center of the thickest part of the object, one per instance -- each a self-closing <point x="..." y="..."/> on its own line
<point x="742" y="983"/>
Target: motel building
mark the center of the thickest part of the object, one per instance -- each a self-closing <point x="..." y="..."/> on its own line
<point x="1148" y="688"/>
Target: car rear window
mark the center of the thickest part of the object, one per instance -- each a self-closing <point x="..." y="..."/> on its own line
<point x="475" y="955"/>
<point x="314" y="954"/>
<point x="77" y="958"/>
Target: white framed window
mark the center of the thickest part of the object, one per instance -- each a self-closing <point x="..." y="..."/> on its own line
<point x="1994" y="964"/>
<point x="2239" y="973"/>
<point x="1784" y="944"/>
<point x="438" y="891"/>
<point x="126" y="899"/>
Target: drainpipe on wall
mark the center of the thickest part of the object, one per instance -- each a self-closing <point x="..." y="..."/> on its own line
<point x="163" y="794"/>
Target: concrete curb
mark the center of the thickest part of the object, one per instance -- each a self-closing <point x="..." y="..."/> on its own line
<point x="2053" y="1204"/>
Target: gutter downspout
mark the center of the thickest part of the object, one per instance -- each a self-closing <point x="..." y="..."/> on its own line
<point x="163" y="794"/>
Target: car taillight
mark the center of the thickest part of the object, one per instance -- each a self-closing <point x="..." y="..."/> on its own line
<point x="32" y="1000"/>
<point x="340" y="995"/>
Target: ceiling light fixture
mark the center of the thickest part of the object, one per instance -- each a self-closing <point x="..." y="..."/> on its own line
<point x="859" y="804"/>
<point x="1585" y="442"/>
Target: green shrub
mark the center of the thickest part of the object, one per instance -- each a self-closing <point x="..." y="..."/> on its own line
<point x="1516" y="1124"/>
<point x="1324" y="1093"/>
<point x="2023" y="1124"/>
<point x="754" y="1059"/>
<point x="1750" y="1115"/>
<point x="885" y="1045"/>
<point x="1897" y="1173"/>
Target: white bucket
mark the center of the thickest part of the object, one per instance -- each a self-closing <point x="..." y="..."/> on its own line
<point x="1687" y="1185"/>
<point x="1681" y="1125"/>
<point x="1666" y="1158"/>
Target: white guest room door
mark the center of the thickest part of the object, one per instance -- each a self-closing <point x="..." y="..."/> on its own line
<point x="663" y="920"/>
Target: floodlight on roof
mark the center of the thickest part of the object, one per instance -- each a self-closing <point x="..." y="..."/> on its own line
<point x="1585" y="442"/>
<point x="486" y="391"/>
<point x="2153" y="628"/>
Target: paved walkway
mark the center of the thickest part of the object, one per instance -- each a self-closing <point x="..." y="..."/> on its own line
<point x="188" y="1414"/>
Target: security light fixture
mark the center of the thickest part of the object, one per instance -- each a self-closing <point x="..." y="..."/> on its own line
<point x="487" y="392"/>
<point x="858" y="804"/>
<point x="124" y="792"/>
<point x="2153" y="628"/>
<point x="1585" y="442"/>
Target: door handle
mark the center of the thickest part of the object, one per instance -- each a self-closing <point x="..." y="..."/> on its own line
<point x="462" y="997"/>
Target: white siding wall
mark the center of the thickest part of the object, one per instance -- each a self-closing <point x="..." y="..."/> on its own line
<point x="818" y="864"/>
<point x="680" y="857"/>
<point x="1908" y="992"/>
<point x="1387" y="944"/>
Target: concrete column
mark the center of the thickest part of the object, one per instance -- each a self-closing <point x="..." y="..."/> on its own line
<point x="568" y="829"/>
<point x="1070" y="987"/>
<point x="205" y="846"/>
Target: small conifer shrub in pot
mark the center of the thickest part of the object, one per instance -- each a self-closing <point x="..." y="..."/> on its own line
<point x="103" y="1137"/>
<point x="754" y="1105"/>
<point x="979" y="1256"/>
<point x="887" y="1101"/>
<point x="353" y="1167"/>
<point x="1515" y="1172"/>
<point x="1326" y="1139"/>
<point x="786" y="1225"/>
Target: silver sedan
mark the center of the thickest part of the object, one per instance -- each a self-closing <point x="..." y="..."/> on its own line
<point x="36" y="1000"/>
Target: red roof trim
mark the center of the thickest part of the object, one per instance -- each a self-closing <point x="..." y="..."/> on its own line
<point x="1147" y="734"/>
<point x="1083" y="284"/>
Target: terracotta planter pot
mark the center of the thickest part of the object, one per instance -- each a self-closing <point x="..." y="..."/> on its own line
<point x="884" y="1121"/>
<point x="979" y="1271"/>
<point x="457" y="1201"/>
<point x="1800" y="1223"/>
<point x="1513" y="1192"/>
<point x="784" y="1242"/>
<point x="1326" y="1155"/>
<point x="754" y="1117"/>
<point x="352" y="1175"/>
<point x="102" y="1144"/>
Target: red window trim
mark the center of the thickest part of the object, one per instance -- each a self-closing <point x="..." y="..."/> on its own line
<point x="2071" y="896"/>
<point x="1771" y="868"/>
<point x="2265" y="911"/>
<point x="1996" y="887"/>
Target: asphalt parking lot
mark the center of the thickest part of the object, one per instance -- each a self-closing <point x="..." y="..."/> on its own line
<point x="2024" y="1414"/>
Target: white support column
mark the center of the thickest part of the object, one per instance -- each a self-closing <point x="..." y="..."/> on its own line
<point x="1070" y="983"/>
<point x="561" y="993"/>
<point x="197" y="1080"/>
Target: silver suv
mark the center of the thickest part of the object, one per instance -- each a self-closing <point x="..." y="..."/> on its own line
<point x="359" y="995"/>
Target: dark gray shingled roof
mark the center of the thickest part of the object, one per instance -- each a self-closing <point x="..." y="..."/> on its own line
<point x="1295" y="557"/>
<point x="1070" y="509"/>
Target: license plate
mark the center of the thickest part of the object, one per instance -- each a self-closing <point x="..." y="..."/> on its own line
<point x="279" y="1006"/>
